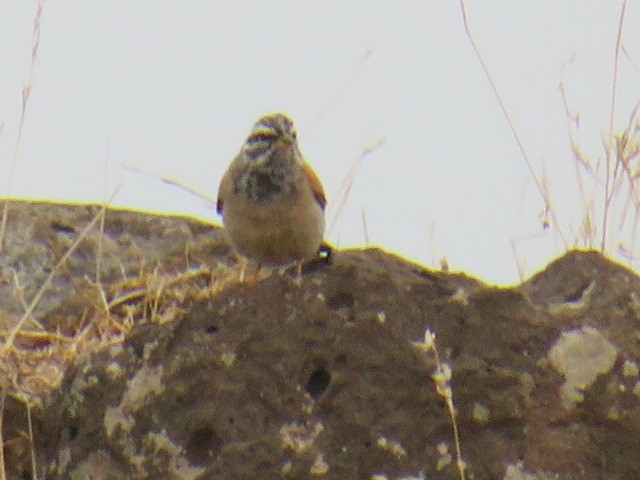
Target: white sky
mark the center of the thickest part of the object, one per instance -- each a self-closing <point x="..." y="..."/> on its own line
<point x="174" y="88"/>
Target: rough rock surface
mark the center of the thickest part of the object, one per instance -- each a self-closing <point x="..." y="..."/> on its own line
<point x="323" y="378"/>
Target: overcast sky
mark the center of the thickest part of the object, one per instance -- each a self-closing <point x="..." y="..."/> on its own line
<point x="173" y="88"/>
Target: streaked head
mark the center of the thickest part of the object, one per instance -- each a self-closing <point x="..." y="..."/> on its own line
<point x="272" y="132"/>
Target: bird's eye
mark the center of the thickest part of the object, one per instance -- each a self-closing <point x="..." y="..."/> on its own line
<point x="294" y="134"/>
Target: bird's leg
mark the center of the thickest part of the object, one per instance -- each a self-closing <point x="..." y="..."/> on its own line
<point x="298" y="277"/>
<point x="244" y="263"/>
<point x="254" y="278"/>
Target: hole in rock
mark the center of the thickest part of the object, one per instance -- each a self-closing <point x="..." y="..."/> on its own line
<point x="340" y="300"/>
<point x="318" y="382"/>
<point x="203" y="445"/>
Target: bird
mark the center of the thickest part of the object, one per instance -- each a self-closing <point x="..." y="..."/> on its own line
<point x="271" y="200"/>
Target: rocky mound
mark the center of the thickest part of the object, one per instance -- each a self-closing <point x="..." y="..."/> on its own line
<point x="330" y="377"/>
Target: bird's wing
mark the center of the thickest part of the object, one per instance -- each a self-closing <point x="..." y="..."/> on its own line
<point x="315" y="184"/>
<point x="226" y="184"/>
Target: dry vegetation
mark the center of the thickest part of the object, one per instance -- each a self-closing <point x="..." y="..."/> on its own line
<point x="33" y="358"/>
<point x="606" y="183"/>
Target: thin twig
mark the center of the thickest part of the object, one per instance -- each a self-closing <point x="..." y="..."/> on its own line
<point x="512" y="127"/>
<point x="3" y="396"/>
<point x="36" y="299"/>
<point x="442" y="378"/>
<point x="609" y="191"/>
<point x="26" y="94"/>
<point x="99" y="286"/>
<point x="173" y="183"/>
<point x="340" y="200"/>
<point x="32" y="449"/>
<point x="166" y="282"/>
<point x="365" y="227"/>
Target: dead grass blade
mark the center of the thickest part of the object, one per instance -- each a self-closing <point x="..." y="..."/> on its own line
<point x="26" y="94"/>
<point x="340" y="200"/>
<point x="529" y="163"/>
<point x="610" y="149"/>
<point x="8" y="343"/>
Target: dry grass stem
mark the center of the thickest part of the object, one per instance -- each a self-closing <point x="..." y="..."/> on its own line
<point x="32" y="447"/>
<point x="538" y="181"/>
<point x="365" y="227"/>
<point x="3" y="396"/>
<point x="26" y="94"/>
<point x="100" y="288"/>
<point x="610" y="176"/>
<point x="8" y="343"/>
<point x="340" y="199"/>
<point x="442" y="379"/>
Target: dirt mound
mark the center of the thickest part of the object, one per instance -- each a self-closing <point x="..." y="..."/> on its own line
<point x="326" y="378"/>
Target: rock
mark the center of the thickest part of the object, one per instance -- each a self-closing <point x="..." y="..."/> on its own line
<point x="325" y="378"/>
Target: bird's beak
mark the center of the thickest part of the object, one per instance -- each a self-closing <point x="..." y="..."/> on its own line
<point x="284" y="142"/>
